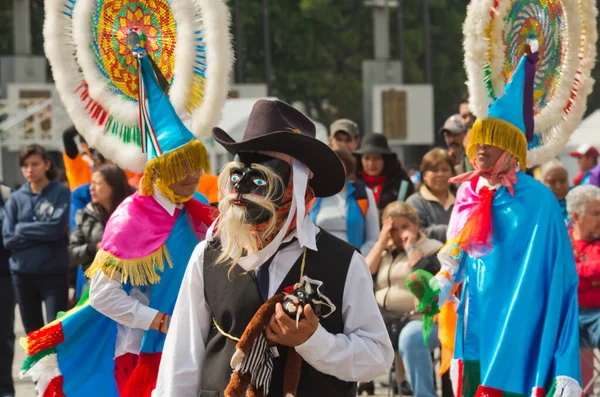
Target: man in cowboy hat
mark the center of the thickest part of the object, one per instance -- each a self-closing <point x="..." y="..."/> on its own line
<point x="254" y="250"/>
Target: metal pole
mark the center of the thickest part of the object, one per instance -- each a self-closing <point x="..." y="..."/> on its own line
<point x="400" y="16"/>
<point x="22" y="27"/>
<point x="239" y="52"/>
<point x="267" y="45"/>
<point x="427" y="41"/>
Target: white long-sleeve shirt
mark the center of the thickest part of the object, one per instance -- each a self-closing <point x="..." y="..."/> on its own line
<point x="361" y="353"/>
<point x="130" y="311"/>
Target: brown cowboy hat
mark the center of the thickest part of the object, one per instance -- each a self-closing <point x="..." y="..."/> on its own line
<point x="277" y="127"/>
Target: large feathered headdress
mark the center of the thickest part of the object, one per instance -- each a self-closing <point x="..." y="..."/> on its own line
<point x="129" y="71"/>
<point x="529" y="66"/>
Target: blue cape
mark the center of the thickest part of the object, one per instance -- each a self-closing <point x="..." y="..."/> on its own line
<point x="86" y="356"/>
<point x="518" y="316"/>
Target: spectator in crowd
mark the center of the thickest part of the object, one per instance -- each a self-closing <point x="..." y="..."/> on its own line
<point x="464" y="112"/>
<point x="108" y="189"/>
<point x="7" y="311"/>
<point x="583" y="203"/>
<point x="415" y="175"/>
<point x="434" y="200"/>
<point x="78" y="164"/>
<point x="454" y="132"/>
<point x="61" y="176"/>
<point x="379" y="168"/>
<point x="401" y="249"/>
<point x="352" y="213"/>
<point x="35" y="229"/>
<point x="587" y="159"/>
<point x="467" y="162"/>
<point x="344" y="132"/>
<point x="554" y="175"/>
<point x="209" y="188"/>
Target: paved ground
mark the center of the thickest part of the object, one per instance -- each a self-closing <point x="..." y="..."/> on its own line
<point x="24" y="387"/>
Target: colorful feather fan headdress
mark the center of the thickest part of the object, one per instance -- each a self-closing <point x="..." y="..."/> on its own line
<point x="504" y="76"/>
<point x="115" y="61"/>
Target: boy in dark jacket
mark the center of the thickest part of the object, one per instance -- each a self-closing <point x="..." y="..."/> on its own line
<point x="35" y="229"/>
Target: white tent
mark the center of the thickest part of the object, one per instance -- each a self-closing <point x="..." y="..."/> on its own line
<point x="235" y="117"/>
<point x="587" y="132"/>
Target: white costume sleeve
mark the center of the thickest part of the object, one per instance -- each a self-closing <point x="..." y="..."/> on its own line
<point x="363" y="352"/>
<point x="449" y="266"/>
<point x="183" y="354"/>
<point x="108" y="297"/>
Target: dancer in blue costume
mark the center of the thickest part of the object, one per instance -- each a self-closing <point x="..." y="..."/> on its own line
<point x="515" y="330"/>
<point x="111" y="343"/>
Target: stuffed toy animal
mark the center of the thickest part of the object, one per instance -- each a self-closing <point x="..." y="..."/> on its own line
<point x="253" y="359"/>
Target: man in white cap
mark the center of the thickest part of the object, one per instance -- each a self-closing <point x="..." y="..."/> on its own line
<point x="344" y="132"/>
<point x="587" y="159"/>
<point x="454" y="132"/>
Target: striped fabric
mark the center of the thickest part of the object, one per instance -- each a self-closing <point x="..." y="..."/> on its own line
<point x="259" y="364"/>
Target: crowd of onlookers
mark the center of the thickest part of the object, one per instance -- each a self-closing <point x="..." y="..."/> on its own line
<point x="396" y="217"/>
<point x="415" y="209"/>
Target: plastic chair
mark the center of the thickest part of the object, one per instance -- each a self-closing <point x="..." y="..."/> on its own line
<point x="590" y="365"/>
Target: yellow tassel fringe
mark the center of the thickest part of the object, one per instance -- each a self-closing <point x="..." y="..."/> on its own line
<point x="499" y="133"/>
<point x="175" y="165"/>
<point x="141" y="271"/>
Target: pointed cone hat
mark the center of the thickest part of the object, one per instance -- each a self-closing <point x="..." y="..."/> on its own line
<point x="510" y="122"/>
<point x="173" y="151"/>
<point x="165" y="131"/>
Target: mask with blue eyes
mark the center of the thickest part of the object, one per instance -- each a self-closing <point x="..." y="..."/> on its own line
<point x="248" y="180"/>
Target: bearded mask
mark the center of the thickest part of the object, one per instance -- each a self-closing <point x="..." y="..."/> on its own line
<point x="258" y="176"/>
<point x="258" y="192"/>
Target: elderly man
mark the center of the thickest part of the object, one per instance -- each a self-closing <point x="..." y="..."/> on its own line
<point x="583" y="204"/>
<point x="556" y="177"/>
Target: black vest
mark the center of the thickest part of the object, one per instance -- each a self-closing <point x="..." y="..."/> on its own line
<point x="234" y="299"/>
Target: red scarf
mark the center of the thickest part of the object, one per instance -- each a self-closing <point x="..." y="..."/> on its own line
<point x="375" y="183"/>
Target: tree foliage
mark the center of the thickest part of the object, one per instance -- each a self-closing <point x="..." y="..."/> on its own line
<point x="318" y="47"/>
<point x="317" y="50"/>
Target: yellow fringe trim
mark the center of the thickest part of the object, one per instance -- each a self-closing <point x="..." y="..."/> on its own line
<point x="140" y="271"/>
<point x="175" y="166"/>
<point x="499" y="133"/>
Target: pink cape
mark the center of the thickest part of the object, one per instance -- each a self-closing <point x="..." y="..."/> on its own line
<point x="140" y="226"/>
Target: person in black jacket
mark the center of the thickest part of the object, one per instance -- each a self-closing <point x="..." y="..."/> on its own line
<point x="35" y="230"/>
<point x="7" y="312"/>
<point x="108" y="189"/>
<point x="379" y="167"/>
